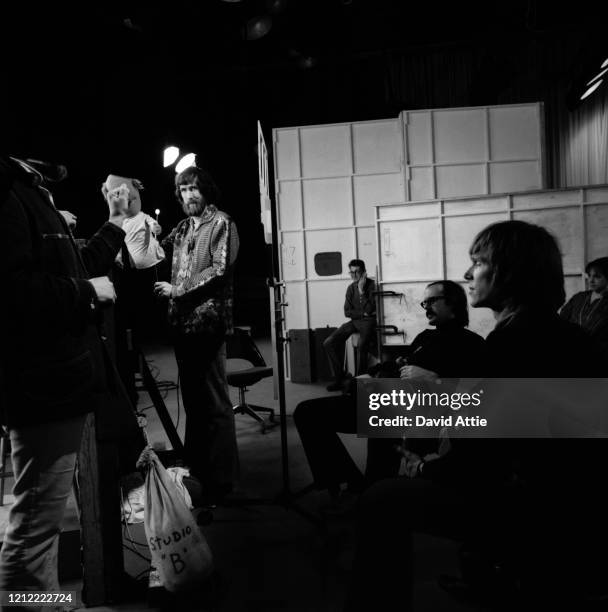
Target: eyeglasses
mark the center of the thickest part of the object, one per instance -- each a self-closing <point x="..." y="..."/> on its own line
<point x="426" y="303"/>
<point x="354" y="273"/>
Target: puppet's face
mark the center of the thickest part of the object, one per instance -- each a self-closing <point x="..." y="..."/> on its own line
<point x="113" y="181"/>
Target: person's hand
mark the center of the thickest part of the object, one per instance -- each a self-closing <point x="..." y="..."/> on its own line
<point x="104" y="289"/>
<point x="412" y="461"/>
<point x="162" y="289"/>
<point x="416" y="373"/>
<point x="156" y="228"/>
<point x="361" y="281"/>
<point x="118" y="203"/>
<point x="70" y="218"/>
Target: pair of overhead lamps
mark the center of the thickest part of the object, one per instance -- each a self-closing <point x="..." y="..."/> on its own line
<point x="596" y="81"/>
<point x="171" y="155"/>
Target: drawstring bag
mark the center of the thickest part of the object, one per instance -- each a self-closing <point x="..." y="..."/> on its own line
<point x="180" y="552"/>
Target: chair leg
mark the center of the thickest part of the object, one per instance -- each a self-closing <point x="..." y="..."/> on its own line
<point x="270" y="411"/>
<point x="245" y="408"/>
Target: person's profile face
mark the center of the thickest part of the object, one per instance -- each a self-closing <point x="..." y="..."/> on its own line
<point x="479" y="277"/>
<point x="193" y="201"/>
<point x="355" y="272"/>
<point x="437" y="310"/>
<point x="597" y="281"/>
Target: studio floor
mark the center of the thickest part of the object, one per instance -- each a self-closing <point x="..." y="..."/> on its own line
<point x="270" y="557"/>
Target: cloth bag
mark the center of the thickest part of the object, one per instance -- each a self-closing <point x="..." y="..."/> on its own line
<point x="179" y="550"/>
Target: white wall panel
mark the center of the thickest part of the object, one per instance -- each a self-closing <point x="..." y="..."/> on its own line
<point x="366" y="248"/>
<point x="422" y="184"/>
<point x="326" y="151"/>
<point x="411" y="250"/>
<point x="327" y="203"/>
<point x="323" y="241"/>
<point x="506" y="177"/>
<point x="377" y="147"/>
<point x="326" y="303"/>
<point x="287" y="158"/>
<point x="596" y="219"/>
<point x="546" y="199"/>
<point x="296" y="313"/>
<point x="483" y="136"/>
<point x="290" y="205"/>
<point x="454" y="181"/>
<point x="411" y="210"/>
<point x="459" y="234"/>
<point x="514" y="132"/>
<point x="476" y="205"/>
<point x="404" y="312"/>
<point x="460" y="135"/>
<point x="372" y="189"/>
<point x="420" y="140"/>
<point x="565" y="224"/>
<point x="599" y="194"/>
<point x="292" y="256"/>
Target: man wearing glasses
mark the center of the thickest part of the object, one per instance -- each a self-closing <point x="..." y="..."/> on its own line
<point x="360" y="308"/>
<point x="450" y="350"/>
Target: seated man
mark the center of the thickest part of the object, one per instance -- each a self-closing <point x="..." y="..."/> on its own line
<point x="360" y="308"/>
<point x="449" y="351"/>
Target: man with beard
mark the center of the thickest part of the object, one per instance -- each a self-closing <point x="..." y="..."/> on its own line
<point x="203" y="248"/>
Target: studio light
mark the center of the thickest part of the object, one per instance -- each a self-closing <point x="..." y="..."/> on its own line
<point x="591" y="89"/>
<point x="170" y="154"/>
<point x="185" y="162"/>
<point x="592" y="75"/>
<point x="597" y="76"/>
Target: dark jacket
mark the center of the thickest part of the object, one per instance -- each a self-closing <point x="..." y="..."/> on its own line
<point x="450" y="351"/>
<point x="358" y="305"/>
<point x="530" y="344"/>
<point x="50" y="353"/>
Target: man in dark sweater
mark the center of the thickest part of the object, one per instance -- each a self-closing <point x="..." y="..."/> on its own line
<point x="51" y="361"/>
<point x="360" y="308"/>
<point x="448" y="351"/>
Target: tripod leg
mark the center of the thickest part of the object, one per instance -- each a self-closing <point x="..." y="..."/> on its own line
<point x="159" y="404"/>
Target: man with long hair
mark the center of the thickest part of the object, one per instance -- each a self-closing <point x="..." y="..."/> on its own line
<point x="203" y="248"/>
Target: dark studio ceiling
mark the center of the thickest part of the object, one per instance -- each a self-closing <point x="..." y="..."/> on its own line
<point x="169" y="69"/>
<point x="213" y="34"/>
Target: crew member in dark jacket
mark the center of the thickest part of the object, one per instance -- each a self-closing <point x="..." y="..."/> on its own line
<point x="51" y="360"/>
<point x="360" y="308"/>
